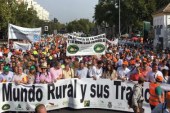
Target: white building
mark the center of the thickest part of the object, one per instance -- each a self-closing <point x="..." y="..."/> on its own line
<point x="161" y="23"/>
<point x="42" y="13"/>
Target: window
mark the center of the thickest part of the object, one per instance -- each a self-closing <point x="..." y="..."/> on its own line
<point x="168" y="26"/>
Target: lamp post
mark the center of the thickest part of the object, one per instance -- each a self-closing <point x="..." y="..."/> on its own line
<point x="118" y="6"/>
<point x="119" y="21"/>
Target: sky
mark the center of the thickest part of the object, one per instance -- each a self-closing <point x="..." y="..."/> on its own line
<point x="68" y="10"/>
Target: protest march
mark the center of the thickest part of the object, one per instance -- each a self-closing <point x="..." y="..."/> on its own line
<point x="77" y="72"/>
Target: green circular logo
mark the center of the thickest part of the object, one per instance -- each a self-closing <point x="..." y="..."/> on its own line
<point x="5" y="107"/>
<point x="72" y="49"/>
<point x="99" y="48"/>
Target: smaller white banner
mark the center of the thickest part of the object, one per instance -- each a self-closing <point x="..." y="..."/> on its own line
<point x="23" y="46"/>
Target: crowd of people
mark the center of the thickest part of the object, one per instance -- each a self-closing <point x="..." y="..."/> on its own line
<point x="47" y="62"/>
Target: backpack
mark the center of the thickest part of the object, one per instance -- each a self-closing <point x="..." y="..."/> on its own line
<point x="130" y="100"/>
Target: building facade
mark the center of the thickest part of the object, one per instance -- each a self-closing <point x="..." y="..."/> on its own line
<point x="42" y="13"/>
<point x="161" y="24"/>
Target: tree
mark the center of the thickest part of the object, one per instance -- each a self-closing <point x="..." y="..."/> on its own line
<point x="82" y="25"/>
<point x="133" y="13"/>
<point x="161" y="3"/>
<point x="5" y="14"/>
<point x="25" y="17"/>
<point x="18" y="14"/>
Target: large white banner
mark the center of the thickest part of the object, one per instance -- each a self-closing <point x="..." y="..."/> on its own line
<point x="79" y="46"/>
<point x="17" y="32"/>
<point x="74" y="93"/>
<point x="22" y="46"/>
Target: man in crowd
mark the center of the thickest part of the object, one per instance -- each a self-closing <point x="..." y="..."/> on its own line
<point x="7" y="75"/>
<point x="163" y="65"/>
<point x="97" y="71"/>
<point x="123" y="71"/>
<point x="137" y="98"/>
<point x="145" y="69"/>
<point x="20" y="77"/>
<point x="82" y="71"/>
<point x="156" y="93"/>
<point x="151" y="76"/>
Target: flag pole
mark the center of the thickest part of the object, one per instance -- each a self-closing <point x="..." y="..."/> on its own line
<point x="8" y="36"/>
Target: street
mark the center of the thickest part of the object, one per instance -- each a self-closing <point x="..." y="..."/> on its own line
<point x="85" y="111"/>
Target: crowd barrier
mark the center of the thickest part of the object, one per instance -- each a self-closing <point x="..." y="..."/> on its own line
<point x="73" y="93"/>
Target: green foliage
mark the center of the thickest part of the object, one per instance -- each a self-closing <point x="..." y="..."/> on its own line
<point x="19" y="14"/>
<point x="25" y="17"/>
<point x="5" y="14"/>
<point x="133" y="12"/>
<point x="161" y="3"/>
<point x="82" y="25"/>
<point x="12" y="12"/>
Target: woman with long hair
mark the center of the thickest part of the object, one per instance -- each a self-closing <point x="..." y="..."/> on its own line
<point x="110" y="73"/>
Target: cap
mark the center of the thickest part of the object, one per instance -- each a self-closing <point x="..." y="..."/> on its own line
<point x="50" y="57"/>
<point x="6" y="68"/>
<point x="114" y="60"/>
<point x="125" y="63"/>
<point x="159" y="78"/>
<point x="132" y="62"/>
<point x="35" y="52"/>
<point x="1" y="60"/>
<point x="32" y="68"/>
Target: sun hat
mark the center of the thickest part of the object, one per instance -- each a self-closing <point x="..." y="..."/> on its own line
<point x="44" y="65"/>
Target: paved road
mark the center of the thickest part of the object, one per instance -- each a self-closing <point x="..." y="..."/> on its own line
<point x="85" y="111"/>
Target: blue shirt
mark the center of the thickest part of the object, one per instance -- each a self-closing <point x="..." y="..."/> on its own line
<point x="82" y="73"/>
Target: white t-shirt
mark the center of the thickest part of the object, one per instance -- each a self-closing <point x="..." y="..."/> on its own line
<point x="96" y="72"/>
<point x="151" y="76"/>
<point x="1" y="54"/>
<point x="123" y="72"/>
<point x="163" y="67"/>
<point x="6" y="78"/>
